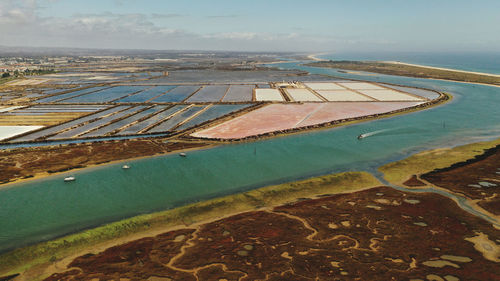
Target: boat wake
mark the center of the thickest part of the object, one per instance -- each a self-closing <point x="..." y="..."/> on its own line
<point x="365" y="135"/>
<point x="394" y="132"/>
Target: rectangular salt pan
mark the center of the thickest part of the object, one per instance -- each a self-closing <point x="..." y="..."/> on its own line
<point x="45" y="110"/>
<point x="212" y="113"/>
<point x="418" y="92"/>
<point x="209" y="94"/>
<point x="55" y="129"/>
<point x="135" y="129"/>
<point x="106" y="95"/>
<point x="324" y="86"/>
<point x="389" y="95"/>
<point x="302" y="95"/>
<point x="361" y="86"/>
<point x="146" y="95"/>
<point x="122" y="123"/>
<point x="6" y="109"/>
<point x="238" y="93"/>
<point x="268" y="95"/>
<point x="11" y="131"/>
<point x="63" y="106"/>
<point x="177" y="94"/>
<point x="69" y="95"/>
<point x="343" y="95"/>
<point x="56" y="91"/>
<point x="176" y="119"/>
<point x="96" y="124"/>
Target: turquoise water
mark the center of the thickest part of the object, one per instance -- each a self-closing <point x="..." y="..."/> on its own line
<point x="47" y="208"/>
<point x="481" y="62"/>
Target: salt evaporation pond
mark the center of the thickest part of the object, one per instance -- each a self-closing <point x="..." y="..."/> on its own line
<point x="47" y="208"/>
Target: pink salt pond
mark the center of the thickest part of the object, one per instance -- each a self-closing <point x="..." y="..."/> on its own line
<point x="278" y="117"/>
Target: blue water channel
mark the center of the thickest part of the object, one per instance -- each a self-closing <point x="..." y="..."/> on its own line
<point x="47" y="208"/>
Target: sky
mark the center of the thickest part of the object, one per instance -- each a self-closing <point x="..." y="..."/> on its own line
<point x="256" y="25"/>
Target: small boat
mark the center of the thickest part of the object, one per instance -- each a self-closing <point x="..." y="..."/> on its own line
<point x="68" y="179"/>
<point x="361" y="136"/>
<point x="125" y="167"/>
<point x="182" y="154"/>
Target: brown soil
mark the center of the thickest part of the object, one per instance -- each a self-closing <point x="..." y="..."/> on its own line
<point x="375" y="234"/>
<point x="29" y="162"/>
<point x="478" y="179"/>
<point x="413" y="182"/>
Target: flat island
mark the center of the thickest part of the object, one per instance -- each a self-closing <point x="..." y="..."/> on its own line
<point x="411" y="70"/>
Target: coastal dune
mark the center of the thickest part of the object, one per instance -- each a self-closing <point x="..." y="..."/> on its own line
<point x="442" y="68"/>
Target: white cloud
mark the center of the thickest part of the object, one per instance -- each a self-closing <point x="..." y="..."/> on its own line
<point x="166" y="16"/>
<point x="17" y="12"/>
<point x="22" y="25"/>
<point x="232" y="35"/>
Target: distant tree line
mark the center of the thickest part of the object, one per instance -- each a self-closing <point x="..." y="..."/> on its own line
<point x="27" y="72"/>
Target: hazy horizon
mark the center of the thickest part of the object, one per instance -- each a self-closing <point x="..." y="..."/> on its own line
<point x="259" y="26"/>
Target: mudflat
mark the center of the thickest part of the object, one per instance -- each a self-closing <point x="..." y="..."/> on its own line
<point x="368" y="234"/>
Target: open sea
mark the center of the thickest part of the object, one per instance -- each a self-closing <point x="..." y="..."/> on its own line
<point x="480" y="62"/>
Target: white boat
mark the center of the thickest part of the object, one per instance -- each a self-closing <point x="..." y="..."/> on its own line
<point x="361" y="136"/>
<point x="125" y="167"/>
<point x="67" y="179"/>
<point x="182" y="154"/>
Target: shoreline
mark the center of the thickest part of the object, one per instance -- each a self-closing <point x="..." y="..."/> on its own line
<point x="46" y="174"/>
<point x="196" y="214"/>
<point x="400" y="172"/>
<point x="463" y="82"/>
<point x="277" y="62"/>
<point x="442" y="68"/>
<point x="98" y="248"/>
<point x="210" y="143"/>
<point x="314" y="56"/>
<point x="442" y="99"/>
<point x="391" y="72"/>
<point x="302" y="225"/>
<point x="190" y="215"/>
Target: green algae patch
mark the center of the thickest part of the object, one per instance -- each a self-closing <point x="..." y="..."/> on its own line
<point x="427" y="161"/>
<point x="22" y="259"/>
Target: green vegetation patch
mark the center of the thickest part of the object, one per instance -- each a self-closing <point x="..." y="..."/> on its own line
<point x="423" y="162"/>
<point x="47" y="252"/>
